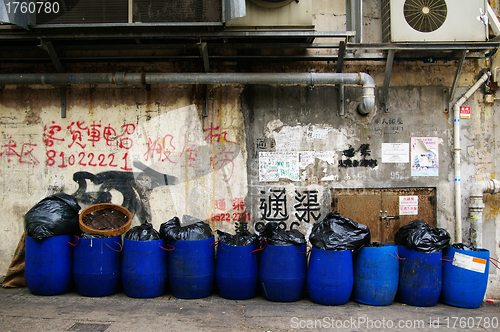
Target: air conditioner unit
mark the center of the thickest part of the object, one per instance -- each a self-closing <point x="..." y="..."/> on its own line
<point x="275" y="13"/>
<point x="434" y="20"/>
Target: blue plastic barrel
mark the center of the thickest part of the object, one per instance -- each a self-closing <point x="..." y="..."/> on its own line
<point x="283" y="272"/>
<point x="144" y="268"/>
<point x="376" y="275"/>
<point x="465" y="277"/>
<point x="330" y="276"/>
<point x="236" y="271"/>
<point x="96" y="266"/>
<point x="49" y="264"/>
<point x="191" y="268"/>
<point x="420" y="277"/>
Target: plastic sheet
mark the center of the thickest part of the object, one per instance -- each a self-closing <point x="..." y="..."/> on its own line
<point x="275" y="235"/>
<point x="53" y="216"/>
<point x="240" y="239"/>
<point x="420" y="236"/>
<point x="144" y="232"/>
<point x="335" y="232"/>
<point x="173" y="231"/>
<point x="93" y="236"/>
<point x="463" y="246"/>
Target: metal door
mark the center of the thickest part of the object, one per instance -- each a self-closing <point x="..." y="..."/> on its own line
<point x="379" y="209"/>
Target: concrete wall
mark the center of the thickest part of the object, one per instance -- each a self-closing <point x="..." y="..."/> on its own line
<point x="121" y="141"/>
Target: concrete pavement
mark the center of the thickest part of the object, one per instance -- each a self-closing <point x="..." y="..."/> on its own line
<point x="20" y="311"/>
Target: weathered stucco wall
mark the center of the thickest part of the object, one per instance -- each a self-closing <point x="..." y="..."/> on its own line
<point x="122" y="142"/>
<point x="116" y="145"/>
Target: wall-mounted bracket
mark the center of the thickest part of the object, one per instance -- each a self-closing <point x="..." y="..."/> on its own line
<point x="204" y="111"/>
<point x="63" y="101"/>
<point x="340" y="69"/>
<point x="204" y="54"/>
<point x="49" y="48"/>
<point x="387" y="80"/>
<point x="461" y="60"/>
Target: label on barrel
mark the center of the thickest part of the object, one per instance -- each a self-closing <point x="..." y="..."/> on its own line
<point x="469" y="262"/>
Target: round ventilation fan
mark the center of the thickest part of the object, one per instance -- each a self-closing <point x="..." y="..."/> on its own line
<point x="425" y="15"/>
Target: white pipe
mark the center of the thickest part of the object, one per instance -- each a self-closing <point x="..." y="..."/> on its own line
<point x="476" y="206"/>
<point x="456" y="154"/>
<point x="366" y="106"/>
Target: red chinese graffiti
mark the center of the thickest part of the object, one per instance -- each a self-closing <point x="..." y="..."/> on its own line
<point x="238" y="213"/>
<point x="23" y="155"/>
<point x="234" y="216"/>
<point x="222" y="152"/>
<point x="61" y="160"/>
<point x="216" y="154"/>
<point x="82" y="134"/>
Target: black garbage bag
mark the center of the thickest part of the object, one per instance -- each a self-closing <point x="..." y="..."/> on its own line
<point x="275" y="235"/>
<point x="240" y="239"/>
<point x="420" y="236"/>
<point x="463" y="246"/>
<point x="93" y="236"/>
<point x="335" y="232"/>
<point x="173" y="231"/>
<point x="144" y="232"/>
<point x="53" y="216"/>
<point x="375" y="244"/>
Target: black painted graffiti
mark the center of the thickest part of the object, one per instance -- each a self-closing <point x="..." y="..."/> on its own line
<point x="133" y="186"/>
<point x="389" y="121"/>
<point x="263" y="144"/>
<point x="241" y="226"/>
<point x="307" y="206"/>
<point x="259" y="226"/>
<point x="363" y="151"/>
<point x="274" y="208"/>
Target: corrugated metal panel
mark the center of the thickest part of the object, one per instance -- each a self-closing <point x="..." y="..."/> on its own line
<point x="117" y="11"/>
<point x="146" y="11"/>
<point x="83" y="11"/>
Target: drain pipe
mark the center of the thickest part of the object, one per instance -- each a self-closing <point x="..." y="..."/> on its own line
<point x="456" y="155"/>
<point x="366" y="81"/>
<point x="476" y="206"/>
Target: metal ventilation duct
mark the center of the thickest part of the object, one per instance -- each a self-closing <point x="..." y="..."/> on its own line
<point x="84" y="11"/>
<point x="146" y="11"/>
<point x="131" y="11"/>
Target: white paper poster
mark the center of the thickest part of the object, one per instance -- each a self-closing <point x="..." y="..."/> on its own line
<point x="424" y="156"/>
<point x="278" y="165"/>
<point x="408" y="205"/>
<point x="395" y="153"/>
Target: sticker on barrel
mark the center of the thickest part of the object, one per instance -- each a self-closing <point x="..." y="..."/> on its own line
<point x="469" y="262"/>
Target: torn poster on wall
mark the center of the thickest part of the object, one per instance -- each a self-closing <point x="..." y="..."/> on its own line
<point x="278" y="165"/>
<point x="286" y="164"/>
<point x="309" y="157"/>
<point x="395" y="153"/>
<point x="424" y="156"/>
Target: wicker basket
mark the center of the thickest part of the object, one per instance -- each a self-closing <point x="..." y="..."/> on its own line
<point x="115" y="226"/>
